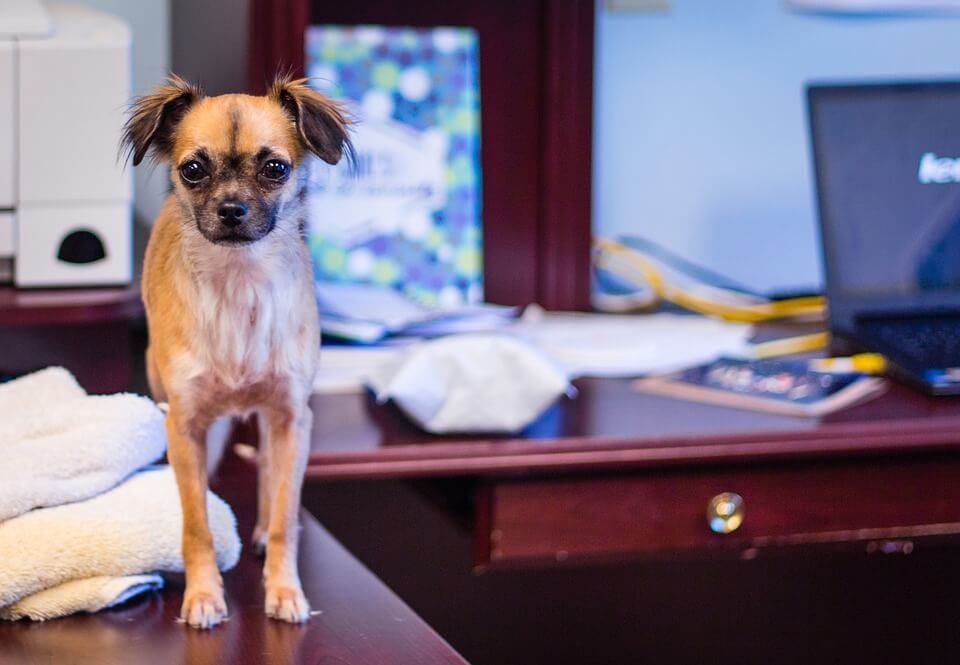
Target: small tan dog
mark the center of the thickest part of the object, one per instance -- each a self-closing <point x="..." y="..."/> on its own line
<point x="232" y="317"/>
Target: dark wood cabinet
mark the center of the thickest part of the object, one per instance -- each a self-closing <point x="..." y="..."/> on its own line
<point x="585" y="540"/>
<point x="866" y="504"/>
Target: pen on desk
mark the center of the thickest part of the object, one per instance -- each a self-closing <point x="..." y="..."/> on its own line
<point x="866" y="363"/>
<point x="790" y="345"/>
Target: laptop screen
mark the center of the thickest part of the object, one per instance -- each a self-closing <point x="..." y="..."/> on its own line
<point x="888" y="179"/>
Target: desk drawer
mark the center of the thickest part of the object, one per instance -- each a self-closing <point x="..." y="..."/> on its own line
<point x="667" y="512"/>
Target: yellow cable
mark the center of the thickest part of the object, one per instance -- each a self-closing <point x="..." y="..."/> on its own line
<point x="776" y="309"/>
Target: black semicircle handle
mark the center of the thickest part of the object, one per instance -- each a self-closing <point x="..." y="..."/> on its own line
<point x="81" y="246"/>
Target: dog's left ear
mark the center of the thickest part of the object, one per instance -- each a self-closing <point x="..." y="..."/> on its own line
<point x="321" y="122"/>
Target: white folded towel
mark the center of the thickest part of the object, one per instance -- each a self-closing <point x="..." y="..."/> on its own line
<point x="132" y="529"/>
<point x="88" y="595"/>
<point x="59" y="444"/>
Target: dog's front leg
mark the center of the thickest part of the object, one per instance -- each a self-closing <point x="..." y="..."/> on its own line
<point x="264" y="490"/>
<point x="203" y="603"/>
<point x="289" y="432"/>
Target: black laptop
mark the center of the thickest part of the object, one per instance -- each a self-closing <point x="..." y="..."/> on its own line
<point x="887" y="161"/>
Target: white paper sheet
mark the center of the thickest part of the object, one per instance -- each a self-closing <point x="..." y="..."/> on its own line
<point x="607" y="345"/>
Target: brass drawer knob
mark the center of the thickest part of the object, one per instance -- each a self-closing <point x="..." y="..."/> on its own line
<point x="725" y="512"/>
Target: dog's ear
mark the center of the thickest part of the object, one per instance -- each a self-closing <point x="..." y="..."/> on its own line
<point x="321" y="122"/>
<point x="154" y="116"/>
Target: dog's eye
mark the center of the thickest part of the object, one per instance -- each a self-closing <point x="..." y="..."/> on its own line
<point x="275" y="170"/>
<point x="193" y="172"/>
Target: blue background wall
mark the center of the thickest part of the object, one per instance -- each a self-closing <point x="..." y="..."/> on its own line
<point x="700" y="137"/>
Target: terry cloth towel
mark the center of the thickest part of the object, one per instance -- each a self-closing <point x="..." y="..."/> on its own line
<point x="89" y="595"/>
<point x="48" y="556"/>
<point x="59" y="444"/>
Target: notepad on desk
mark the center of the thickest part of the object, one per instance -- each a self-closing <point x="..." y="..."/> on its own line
<point x="785" y="387"/>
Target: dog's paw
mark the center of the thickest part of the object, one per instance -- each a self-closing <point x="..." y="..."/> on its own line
<point x="286" y="603"/>
<point x="203" y="609"/>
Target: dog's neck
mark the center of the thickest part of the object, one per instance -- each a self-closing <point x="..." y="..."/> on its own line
<point x="245" y="299"/>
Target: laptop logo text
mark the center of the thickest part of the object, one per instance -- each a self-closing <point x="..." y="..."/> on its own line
<point x="938" y="170"/>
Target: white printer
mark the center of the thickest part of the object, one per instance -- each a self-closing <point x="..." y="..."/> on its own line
<point x="65" y="198"/>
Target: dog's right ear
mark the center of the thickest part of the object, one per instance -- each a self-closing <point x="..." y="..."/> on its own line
<point x="154" y="116"/>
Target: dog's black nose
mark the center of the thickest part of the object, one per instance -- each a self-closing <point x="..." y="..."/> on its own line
<point x="232" y="213"/>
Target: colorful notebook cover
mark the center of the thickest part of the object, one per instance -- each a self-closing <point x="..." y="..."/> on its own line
<point x="786" y="387"/>
<point x="409" y="217"/>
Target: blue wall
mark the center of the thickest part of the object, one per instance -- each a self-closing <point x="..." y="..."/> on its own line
<point x="700" y="137"/>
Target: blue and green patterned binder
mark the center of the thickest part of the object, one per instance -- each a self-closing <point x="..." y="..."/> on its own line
<point x="409" y="216"/>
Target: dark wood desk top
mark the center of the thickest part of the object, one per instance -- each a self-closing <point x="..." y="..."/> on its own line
<point x="360" y="622"/>
<point x="36" y="307"/>
<point x="610" y="426"/>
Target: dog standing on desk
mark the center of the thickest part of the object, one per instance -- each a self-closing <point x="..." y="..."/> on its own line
<point x="231" y="311"/>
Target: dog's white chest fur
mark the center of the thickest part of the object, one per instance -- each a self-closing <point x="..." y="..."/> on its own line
<point x="247" y="314"/>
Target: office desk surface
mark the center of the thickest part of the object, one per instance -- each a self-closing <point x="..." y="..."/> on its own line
<point x="608" y="425"/>
<point x="86" y="330"/>
<point x="34" y="307"/>
<point x="360" y="621"/>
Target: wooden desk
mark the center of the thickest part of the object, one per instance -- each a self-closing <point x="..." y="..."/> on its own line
<point x="360" y="622"/>
<point x="614" y="473"/>
<point x="591" y="528"/>
<point x="586" y="539"/>
<point x="85" y="330"/>
<point x="37" y="307"/>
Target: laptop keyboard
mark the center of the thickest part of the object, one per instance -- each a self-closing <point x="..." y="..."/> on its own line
<point x="933" y="342"/>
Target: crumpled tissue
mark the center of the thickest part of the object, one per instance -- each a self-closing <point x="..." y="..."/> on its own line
<point x="473" y="383"/>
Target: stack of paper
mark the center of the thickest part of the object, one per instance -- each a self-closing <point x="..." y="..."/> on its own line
<point x="370" y="314"/>
<point x="598" y="345"/>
